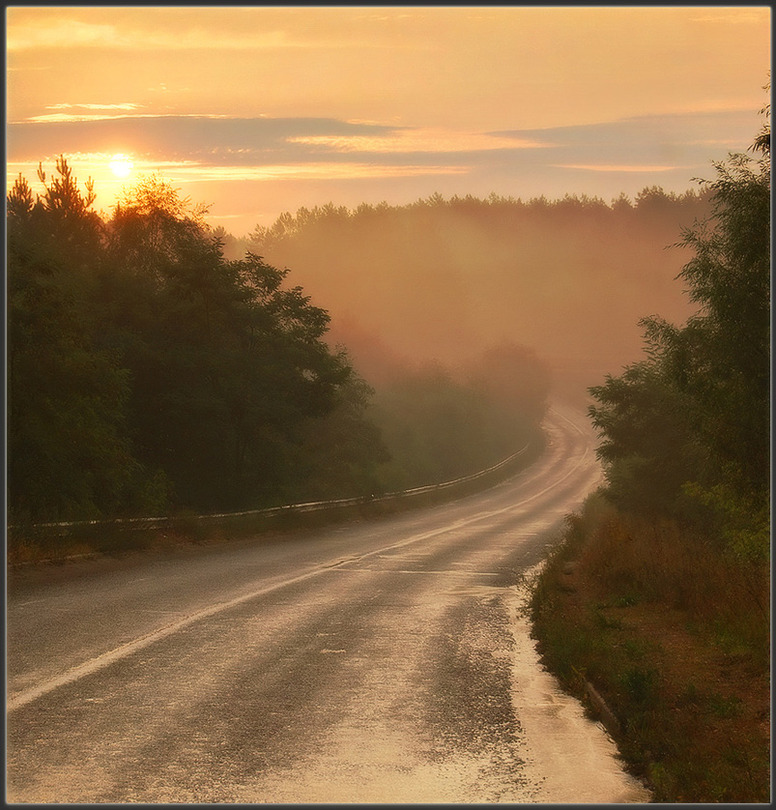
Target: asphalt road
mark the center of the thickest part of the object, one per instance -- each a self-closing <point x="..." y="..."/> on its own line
<point x="383" y="661"/>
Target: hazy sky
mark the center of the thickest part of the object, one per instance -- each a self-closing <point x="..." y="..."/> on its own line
<point x="257" y="110"/>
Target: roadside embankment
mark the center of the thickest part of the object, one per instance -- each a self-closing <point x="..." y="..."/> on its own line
<point x="665" y="639"/>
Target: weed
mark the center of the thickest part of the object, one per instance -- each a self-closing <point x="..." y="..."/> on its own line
<point x="721" y="706"/>
<point x="641" y="685"/>
<point x="690" y="624"/>
<point x="636" y="648"/>
<point x="605" y="622"/>
<point x="690" y="696"/>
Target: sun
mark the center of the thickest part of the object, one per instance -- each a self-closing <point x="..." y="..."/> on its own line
<point x="121" y="166"/>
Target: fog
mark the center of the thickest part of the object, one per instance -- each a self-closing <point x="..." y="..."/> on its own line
<point x="445" y="279"/>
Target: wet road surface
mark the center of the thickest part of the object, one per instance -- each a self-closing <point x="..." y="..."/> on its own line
<point x="385" y="661"/>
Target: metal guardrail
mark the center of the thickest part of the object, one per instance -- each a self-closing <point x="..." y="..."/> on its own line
<point x="311" y="506"/>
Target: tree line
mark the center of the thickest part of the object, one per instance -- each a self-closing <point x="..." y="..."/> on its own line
<point x="148" y="373"/>
<point x="145" y="370"/>
<point x="446" y="279"/>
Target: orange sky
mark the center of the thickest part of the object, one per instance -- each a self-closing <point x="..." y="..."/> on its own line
<point x="257" y="110"/>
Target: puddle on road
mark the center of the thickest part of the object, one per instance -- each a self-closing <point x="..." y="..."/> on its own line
<point x="380" y="780"/>
<point x="376" y="755"/>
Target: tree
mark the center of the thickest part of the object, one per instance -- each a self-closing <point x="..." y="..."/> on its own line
<point x="228" y="361"/>
<point x="148" y="372"/>
<point x="340" y="454"/>
<point x="67" y="453"/>
<point x="694" y="420"/>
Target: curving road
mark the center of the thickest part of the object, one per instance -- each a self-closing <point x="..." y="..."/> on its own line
<point x="384" y="661"/>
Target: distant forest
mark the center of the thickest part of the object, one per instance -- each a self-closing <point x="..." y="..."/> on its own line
<point x="445" y="279"/>
<point x="157" y="365"/>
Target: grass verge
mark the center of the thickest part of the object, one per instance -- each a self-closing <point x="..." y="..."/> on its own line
<point x="674" y="636"/>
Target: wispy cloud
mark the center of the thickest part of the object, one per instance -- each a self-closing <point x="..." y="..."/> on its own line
<point x="208" y="148"/>
<point x="108" y="115"/>
<point x="216" y="139"/>
<point x="123" y="106"/>
<point x="97" y="164"/>
<point x="311" y="171"/>
<point x="734" y="16"/>
<point x="94" y="112"/>
<point x="61" y="117"/>
<point x="607" y="168"/>
<point x="260" y="147"/>
<point x="73" y="33"/>
<point x="272" y="156"/>
<point x="63" y="33"/>
<point x="205" y="139"/>
<point x="417" y="140"/>
<point x="648" y="143"/>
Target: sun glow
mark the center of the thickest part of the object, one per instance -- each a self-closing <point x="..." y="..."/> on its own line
<point x="121" y="166"/>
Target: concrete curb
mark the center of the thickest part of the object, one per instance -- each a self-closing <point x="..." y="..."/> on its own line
<point x="608" y="717"/>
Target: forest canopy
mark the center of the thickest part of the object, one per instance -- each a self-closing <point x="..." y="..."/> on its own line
<point x="148" y="372"/>
<point x="446" y="279"/>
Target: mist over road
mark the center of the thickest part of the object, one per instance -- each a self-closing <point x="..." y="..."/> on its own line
<point x="378" y="661"/>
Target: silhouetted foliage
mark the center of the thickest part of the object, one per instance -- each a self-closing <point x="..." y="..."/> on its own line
<point x="690" y="427"/>
<point x="68" y="453"/>
<point x="148" y="372"/>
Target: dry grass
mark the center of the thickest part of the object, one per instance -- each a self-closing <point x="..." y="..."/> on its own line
<point x="675" y="636"/>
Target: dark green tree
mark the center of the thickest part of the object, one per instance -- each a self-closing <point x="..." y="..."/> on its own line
<point x="67" y="452"/>
<point x="147" y="372"/>
<point x="228" y="361"/>
<point x="694" y="419"/>
<point x="341" y="454"/>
